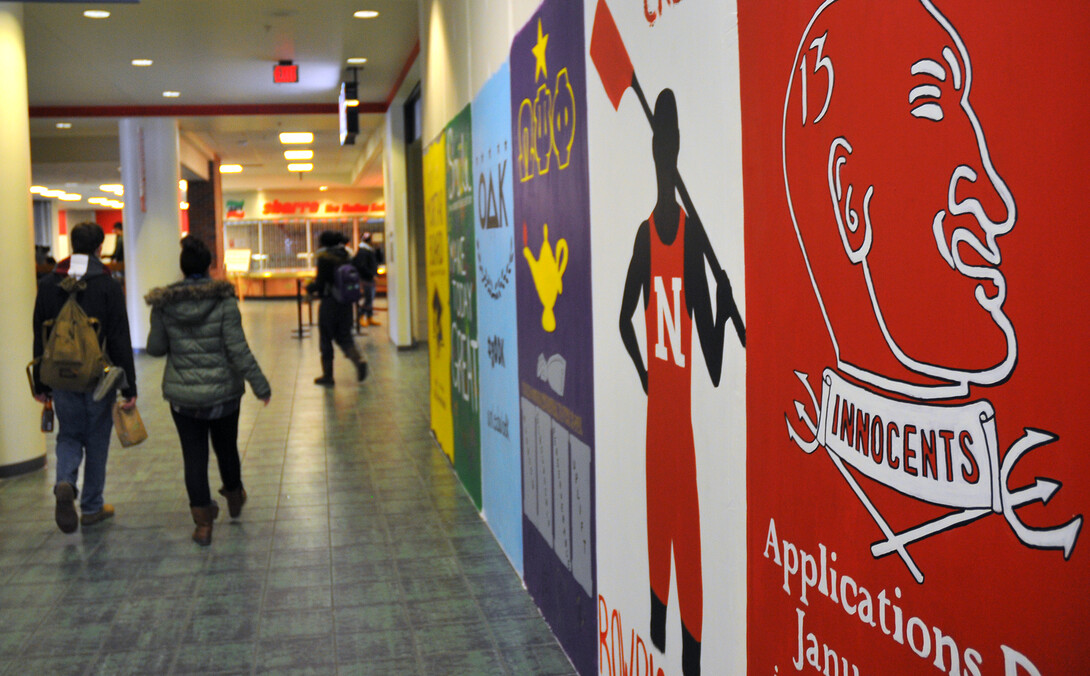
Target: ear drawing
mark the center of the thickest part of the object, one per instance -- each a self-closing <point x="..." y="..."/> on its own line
<point x="847" y="218"/>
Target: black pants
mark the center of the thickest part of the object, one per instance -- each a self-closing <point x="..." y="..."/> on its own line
<point x="334" y="326"/>
<point x="194" y="434"/>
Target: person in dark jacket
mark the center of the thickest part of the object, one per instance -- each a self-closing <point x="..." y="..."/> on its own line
<point x="367" y="262"/>
<point x="84" y="423"/>
<point x="334" y="317"/>
<point x="197" y="325"/>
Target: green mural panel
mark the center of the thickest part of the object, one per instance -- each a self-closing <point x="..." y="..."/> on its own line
<point x="464" y="372"/>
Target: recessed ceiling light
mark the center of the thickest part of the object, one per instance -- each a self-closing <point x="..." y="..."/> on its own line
<point x="99" y="200"/>
<point x="96" y="14"/>
<point x="298" y="154"/>
<point x="70" y="197"/>
<point x="172" y="95"/>
<point x="117" y="205"/>
<point x="142" y="62"/>
<point x="301" y="167"/>
<point x="365" y="14"/>
<point x="357" y="60"/>
<point x="230" y="168"/>
<point x="64" y="125"/>
<point x="38" y="189"/>
<point x="52" y="193"/>
<point x="296" y="137"/>
<point x="323" y="188"/>
<point x="115" y="188"/>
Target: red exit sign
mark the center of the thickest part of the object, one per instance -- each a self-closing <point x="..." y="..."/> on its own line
<point x="285" y="73"/>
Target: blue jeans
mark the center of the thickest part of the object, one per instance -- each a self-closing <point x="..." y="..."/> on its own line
<point x="83" y="437"/>
<point x="367" y="307"/>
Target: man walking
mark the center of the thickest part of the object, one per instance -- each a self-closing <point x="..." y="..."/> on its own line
<point x="366" y="261"/>
<point x="334" y="311"/>
<point x="84" y="422"/>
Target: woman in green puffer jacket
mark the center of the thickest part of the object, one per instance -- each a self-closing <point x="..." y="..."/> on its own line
<point x="197" y="325"/>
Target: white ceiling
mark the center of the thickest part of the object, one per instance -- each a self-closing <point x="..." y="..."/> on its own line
<point x="217" y="54"/>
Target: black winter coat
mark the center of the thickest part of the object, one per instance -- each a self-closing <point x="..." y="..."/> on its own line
<point x="104" y="300"/>
<point x="366" y="262"/>
<point x="327" y="261"/>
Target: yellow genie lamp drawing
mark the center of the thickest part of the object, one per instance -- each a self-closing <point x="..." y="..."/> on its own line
<point x="547" y="271"/>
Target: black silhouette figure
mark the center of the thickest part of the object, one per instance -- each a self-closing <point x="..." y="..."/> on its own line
<point x="667" y="269"/>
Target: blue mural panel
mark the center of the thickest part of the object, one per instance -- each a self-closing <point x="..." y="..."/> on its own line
<point x="497" y="334"/>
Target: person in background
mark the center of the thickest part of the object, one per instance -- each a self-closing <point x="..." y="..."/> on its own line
<point x="41" y="255"/>
<point x="334" y="317"/>
<point x="118" y="255"/>
<point x="196" y="324"/>
<point x="367" y="262"/>
<point x="84" y="423"/>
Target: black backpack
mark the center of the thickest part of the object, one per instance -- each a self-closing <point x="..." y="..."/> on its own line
<point x="346" y="284"/>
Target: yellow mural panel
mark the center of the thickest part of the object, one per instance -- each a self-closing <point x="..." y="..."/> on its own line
<point x="438" y="277"/>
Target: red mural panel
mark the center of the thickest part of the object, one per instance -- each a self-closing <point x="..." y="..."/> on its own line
<point x="918" y="473"/>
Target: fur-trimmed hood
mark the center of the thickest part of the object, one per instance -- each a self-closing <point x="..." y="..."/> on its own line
<point x="189" y="300"/>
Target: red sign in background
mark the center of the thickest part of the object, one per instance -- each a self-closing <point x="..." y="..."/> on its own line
<point x="904" y="119"/>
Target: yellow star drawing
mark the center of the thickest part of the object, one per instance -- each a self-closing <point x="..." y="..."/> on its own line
<point x="539" y="52"/>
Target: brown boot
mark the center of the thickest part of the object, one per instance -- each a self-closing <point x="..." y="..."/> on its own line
<point x="235" y="500"/>
<point x="203" y="517"/>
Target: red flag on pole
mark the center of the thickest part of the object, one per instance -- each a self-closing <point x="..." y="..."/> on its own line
<point x="609" y="55"/>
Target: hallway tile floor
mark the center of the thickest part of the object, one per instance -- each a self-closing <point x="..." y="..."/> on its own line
<point x="357" y="553"/>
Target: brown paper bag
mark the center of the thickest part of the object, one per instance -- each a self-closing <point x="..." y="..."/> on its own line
<point x="129" y="425"/>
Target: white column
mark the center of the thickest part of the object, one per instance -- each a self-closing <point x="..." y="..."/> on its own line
<point x="150" y="173"/>
<point x="399" y="275"/>
<point x="22" y="445"/>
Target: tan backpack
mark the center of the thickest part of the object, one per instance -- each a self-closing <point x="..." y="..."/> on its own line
<point x="72" y="358"/>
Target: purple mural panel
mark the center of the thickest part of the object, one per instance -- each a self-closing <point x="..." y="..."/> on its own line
<point x="556" y="383"/>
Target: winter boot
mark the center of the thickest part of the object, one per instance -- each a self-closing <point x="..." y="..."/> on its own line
<point x="326" y="378"/>
<point x="235" y="500"/>
<point x="203" y="517"/>
<point x="360" y="363"/>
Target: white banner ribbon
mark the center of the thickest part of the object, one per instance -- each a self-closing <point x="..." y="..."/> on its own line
<point x="941" y="454"/>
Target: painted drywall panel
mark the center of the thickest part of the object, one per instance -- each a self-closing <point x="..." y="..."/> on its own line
<point x="556" y="377"/>
<point x="915" y="266"/>
<point x="464" y="347"/>
<point x="501" y="476"/>
<point x="669" y="290"/>
<point x="437" y="257"/>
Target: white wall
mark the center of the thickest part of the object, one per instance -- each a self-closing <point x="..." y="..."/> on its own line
<point x="462" y="43"/>
<point x="398" y="269"/>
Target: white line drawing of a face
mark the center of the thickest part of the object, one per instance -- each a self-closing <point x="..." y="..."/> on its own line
<point x="887" y="164"/>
